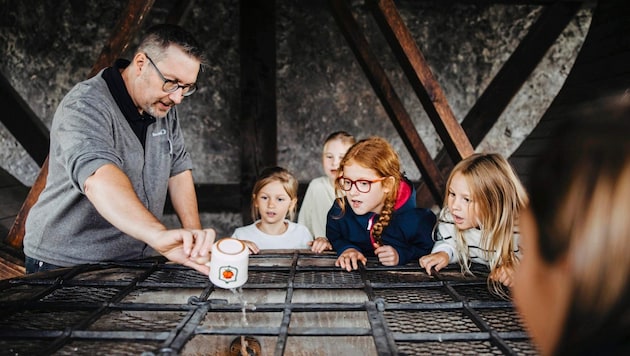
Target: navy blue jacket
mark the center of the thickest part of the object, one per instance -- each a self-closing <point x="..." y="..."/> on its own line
<point x="409" y="229"/>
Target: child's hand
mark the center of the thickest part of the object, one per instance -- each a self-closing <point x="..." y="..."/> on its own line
<point x="349" y="260"/>
<point x="437" y="260"/>
<point x="503" y="275"/>
<point x="251" y="246"/>
<point x="387" y="255"/>
<point x="320" y="244"/>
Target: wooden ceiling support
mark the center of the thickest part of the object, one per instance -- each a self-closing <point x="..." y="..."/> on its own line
<point x="22" y="122"/>
<point x="421" y="78"/>
<point x="128" y="26"/>
<point x="388" y="97"/>
<point x="179" y="11"/>
<point x="509" y="79"/>
<point x="258" y="121"/>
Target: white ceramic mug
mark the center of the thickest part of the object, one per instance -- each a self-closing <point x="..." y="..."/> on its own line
<point x="229" y="262"/>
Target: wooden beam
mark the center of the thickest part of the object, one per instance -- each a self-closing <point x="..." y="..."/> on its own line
<point x="258" y="125"/>
<point x="22" y="122"/>
<point x="510" y="78"/>
<point x="421" y="78"/>
<point x="388" y="97"/>
<point x="513" y="74"/>
<point x="128" y="26"/>
<point x="179" y="11"/>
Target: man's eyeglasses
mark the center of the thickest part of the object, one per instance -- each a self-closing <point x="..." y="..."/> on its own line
<point x="171" y="86"/>
<point x="363" y="185"/>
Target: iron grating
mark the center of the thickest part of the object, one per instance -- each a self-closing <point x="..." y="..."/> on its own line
<point x="294" y="303"/>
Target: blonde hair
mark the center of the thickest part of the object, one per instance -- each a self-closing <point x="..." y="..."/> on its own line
<point x="580" y="198"/>
<point x="498" y="198"/>
<point x="342" y="136"/>
<point x="276" y="174"/>
<point x="377" y="154"/>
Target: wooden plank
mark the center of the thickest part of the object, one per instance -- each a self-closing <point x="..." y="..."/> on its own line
<point x="513" y="74"/>
<point x="509" y="79"/>
<point x="126" y="29"/>
<point x="421" y="78"/>
<point x="388" y="97"/>
<point x="179" y="12"/>
<point x="22" y="122"/>
<point x="222" y="198"/>
<point x="13" y="193"/>
<point x="258" y="124"/>
<point x="600" y="73"/>
<point x="128" y="26"/>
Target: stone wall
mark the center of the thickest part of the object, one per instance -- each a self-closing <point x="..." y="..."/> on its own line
<point x="46" y="47"/>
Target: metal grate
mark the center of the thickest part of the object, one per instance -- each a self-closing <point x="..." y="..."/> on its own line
<point x="294" y="303"/>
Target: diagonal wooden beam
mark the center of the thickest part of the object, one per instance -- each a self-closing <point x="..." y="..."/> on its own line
<point x="23" y="123"/>
<point x="421" y="78"/>
<point x="388" y="97"/>
<point x="179" y="11"/>
<point x="128" y="26"/>
<point x="510" y="78"/>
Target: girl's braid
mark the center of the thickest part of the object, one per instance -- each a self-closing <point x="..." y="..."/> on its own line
<point x="383" y="220"/>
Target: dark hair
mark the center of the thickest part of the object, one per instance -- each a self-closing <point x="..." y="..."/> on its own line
<point x="160" y="37"/>
<point x="580" y="198"/>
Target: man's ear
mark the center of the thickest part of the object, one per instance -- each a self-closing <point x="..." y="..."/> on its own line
<point x="140" y="61"/>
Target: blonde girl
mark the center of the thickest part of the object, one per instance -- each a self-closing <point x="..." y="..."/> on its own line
<point x="320" y="194"/>
<point x="274" y="200"/>
<point x="479" y="220"/>
<point x="376" y="214"/>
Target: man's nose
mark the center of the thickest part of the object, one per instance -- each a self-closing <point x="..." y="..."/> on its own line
<point x="177" y="96"/>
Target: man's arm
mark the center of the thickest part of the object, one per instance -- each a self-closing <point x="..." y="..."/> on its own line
<point x="112" y="194"/>
<point x="181" y="190"/>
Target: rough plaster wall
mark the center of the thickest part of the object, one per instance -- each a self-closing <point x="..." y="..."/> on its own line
<point x="323" y="89"/>
<point x="47" y="47"/>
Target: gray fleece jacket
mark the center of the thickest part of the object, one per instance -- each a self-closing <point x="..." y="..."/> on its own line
<point x="88" y="131"/>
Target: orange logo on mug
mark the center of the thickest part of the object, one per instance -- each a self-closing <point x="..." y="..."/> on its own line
<point x="228" y="273"/>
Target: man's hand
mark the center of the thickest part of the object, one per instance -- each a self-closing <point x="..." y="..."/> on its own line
<point x="187" y="247"/>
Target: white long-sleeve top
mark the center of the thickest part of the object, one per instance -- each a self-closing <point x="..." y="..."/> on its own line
<point x="445" y="240"/>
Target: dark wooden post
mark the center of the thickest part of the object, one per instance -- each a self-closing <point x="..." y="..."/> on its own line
<point x="258" y="94"/>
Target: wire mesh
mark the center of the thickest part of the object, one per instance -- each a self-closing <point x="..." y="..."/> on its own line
<point x="294" y="303"/>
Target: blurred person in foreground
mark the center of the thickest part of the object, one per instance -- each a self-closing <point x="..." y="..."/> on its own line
<point x="571" y="287"/>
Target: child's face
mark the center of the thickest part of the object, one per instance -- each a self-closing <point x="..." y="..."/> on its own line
<point x="333" y="154"/>
<point x="273" y="203"/>
<point x="460" y="203"/>
<point x="363" y="203"/>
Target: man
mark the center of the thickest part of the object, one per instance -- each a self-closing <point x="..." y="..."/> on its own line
<point x="116" y="150"/>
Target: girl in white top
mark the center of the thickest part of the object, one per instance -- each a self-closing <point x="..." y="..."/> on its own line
<point x="274" y="199"/>
<point x="320" y="194"/>
<point x="479" y="221"/>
